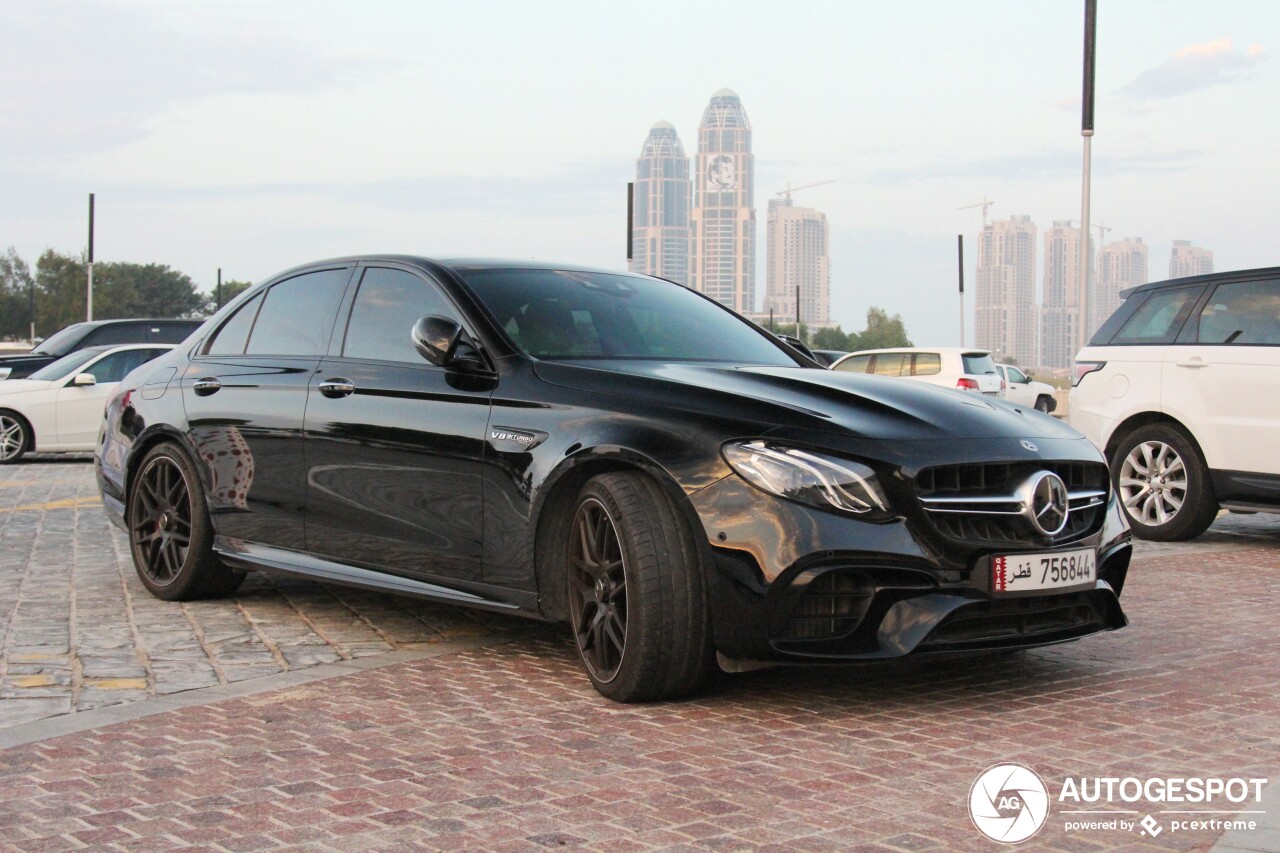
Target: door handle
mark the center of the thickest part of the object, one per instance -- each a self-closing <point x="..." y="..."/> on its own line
<point x="1194" y="362"/>
<point x="206" y="386"/>
<point x="337" y="387"/>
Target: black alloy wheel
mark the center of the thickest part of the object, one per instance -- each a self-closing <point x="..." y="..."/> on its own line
<point x="637" y="604"/>
<point x="13" y="438"/>
<point x="598" y="590"/>
<point x="170" y="535"/>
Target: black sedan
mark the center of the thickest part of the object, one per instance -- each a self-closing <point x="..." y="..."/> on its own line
<point x="609" y="450"/>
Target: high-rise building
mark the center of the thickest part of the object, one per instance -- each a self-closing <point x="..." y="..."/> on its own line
<point x="723" y="250"/>
<point x="1121" y="265"/>
<point x="1060" y="314"/>
<point x="660" y="220"/>
<point x="1006" y="289"/>
<point x="1189" y="260"/>
<point x="798" y="256"/>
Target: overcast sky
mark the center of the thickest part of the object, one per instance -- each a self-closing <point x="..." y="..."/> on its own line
<point x="256" y="135"/>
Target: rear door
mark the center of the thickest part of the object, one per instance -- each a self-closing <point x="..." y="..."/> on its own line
<point x="245" y="394"/>
<point x="395" y="444"/>
<point x="1222" y="376"/>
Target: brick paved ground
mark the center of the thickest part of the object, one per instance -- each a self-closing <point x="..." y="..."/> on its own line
<point x="507" y="748"/>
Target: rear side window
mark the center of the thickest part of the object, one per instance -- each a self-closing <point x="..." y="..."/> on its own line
<point x="926" y="364"/>
<point x="1242" y="313"/>
<point x="234" y="334"/>
<point x="889" y="363"/>
<point x="854" y="364"/>
<point x="387" y="305"/>
<point x="297" y="315"/>
<point x="117" y="333"/>
<point x="1158" y="320"/>
<point x="977" y="364"/>
<point x="116" y="366"/>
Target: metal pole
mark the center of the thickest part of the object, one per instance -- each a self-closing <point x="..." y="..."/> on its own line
<point x="1086" y="130"/>
<point x="219" y="287"/>
<point x="960" y="251"/>
<point x="631" y="208"/>
<point x="33" y="312"/>
<point x="89" y="299"/>
<point x="798" y="312"/>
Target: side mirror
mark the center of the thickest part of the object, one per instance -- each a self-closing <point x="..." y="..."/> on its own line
<point x="84" y="380"/>
<point x="435" y="338"/>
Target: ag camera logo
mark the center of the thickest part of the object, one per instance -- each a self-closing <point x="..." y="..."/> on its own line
<point x="1008" y="803"/>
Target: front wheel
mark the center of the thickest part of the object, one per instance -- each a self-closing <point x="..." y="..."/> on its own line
<point x="1163" y="484"/>
<point x="14" y="439"/>
<point x="637" y="604"/>
<point x="170" y="535"/>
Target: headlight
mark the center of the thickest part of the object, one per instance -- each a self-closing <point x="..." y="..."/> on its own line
<point x="809" y="478"/>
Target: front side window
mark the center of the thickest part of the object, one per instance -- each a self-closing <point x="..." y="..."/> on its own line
<point x="297" y="315"/>
<point x="1242" y="313"/>
<point x="386" y="307"/>
<point x="117" y="333"/>
<point x="566" y="314"/>
<point x="117" y="366"/>
<point x="1158" y="320"/>
<point x="1016" y="375"/>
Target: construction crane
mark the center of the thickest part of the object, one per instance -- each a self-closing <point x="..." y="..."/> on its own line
<point x="790" y="189"/>
<point x="984" y="204"/>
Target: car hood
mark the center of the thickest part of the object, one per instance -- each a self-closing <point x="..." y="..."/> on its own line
<point x="22" y="386"/>
<point x="851" y="404"/>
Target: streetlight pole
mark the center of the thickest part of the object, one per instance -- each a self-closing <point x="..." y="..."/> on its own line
<point x="1086" y="130"/>
<point x="89" y="299"/>
<point x="960" y="252"/>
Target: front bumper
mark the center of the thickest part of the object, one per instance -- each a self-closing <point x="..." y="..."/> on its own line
<point x="793" y="583"/>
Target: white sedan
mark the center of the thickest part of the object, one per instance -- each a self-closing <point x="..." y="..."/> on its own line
<point x="58" y="409"/>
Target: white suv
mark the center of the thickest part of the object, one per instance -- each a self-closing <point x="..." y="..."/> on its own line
<point x="1025" y="391"/>
<point x="1180" y="388"/>
<point x="951" y="367"/>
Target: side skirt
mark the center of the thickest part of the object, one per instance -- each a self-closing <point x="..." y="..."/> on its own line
<point x="248" y="556"/>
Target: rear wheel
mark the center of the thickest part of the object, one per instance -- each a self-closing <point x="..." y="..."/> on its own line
<point x="1163" y="484"/>
<point x="636" y="600"/>
<point x="170" y="534"/>
<point x="14" y="437"/>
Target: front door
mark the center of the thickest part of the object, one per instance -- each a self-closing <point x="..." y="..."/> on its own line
<point x="395" y="444"/>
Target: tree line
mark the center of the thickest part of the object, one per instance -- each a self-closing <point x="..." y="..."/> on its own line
<point x="882" y="331"/>
<point x="120" y="289"/>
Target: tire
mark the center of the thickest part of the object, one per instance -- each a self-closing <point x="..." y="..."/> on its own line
<point x="637" y="604"/>
<point x="1044" y="404"/>
<point x="170" y="535"/>
<point x="1163" y="484"/>
<point x="15" y="437"/>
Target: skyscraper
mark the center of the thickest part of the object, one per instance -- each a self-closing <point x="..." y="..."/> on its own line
<point x="1006" y="290"/>
<point x="660" y="222"/>
<point x="1189" y="260"/>
<point x="798" y="256"/>
<point x="722" y="253"/>
<point x="1060" y="315"/>
<point x="1121" y="265"/>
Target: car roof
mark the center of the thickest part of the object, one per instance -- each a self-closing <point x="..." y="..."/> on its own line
<point x="939" y="350"/>
<point x="455" y="263"/>
<point x="1230" y="275"/>
<point x="100" y="348"/>
<point x="121" y="320"/>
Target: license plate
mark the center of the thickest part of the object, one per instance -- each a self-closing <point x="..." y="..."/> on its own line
<point x="1034" y="572"/>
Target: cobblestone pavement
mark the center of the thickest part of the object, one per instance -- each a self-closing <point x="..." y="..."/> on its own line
<point x="79" y="631"/>
<point x="506" y="747"/>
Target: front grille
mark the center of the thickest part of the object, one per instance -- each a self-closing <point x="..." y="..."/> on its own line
<point x="977" y="503"/>
<point x="831" y="606"/>
<point x="1016" y="620"/>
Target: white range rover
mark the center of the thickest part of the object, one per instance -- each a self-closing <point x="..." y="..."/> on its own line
<point x="1180" y="388"/>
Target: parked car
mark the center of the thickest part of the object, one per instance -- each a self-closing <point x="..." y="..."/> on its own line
<point x="951" y="367"/>
<point x="1181" y="390"/>
<point x="59" y="407"/>
<point x="1020" y="388"/>
<point x="828" y="357"/>
<point x="610" y="450"/>
<point x="97" y="333"/>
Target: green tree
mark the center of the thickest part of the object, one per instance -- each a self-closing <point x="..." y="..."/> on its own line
<point x="882" y="331"/>
<point x="230" y="290"/>
<point x="15" y="296"/>
<point x="831" y="337"/>
<point x="119" y="290"/>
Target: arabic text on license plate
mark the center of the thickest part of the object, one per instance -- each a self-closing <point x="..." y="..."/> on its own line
<point x="1021" y="572"/>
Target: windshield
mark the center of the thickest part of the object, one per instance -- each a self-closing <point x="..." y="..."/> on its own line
<point x="560" y="314"/>
<point x="66" y="365"/>
<point x="61" y="342"/>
